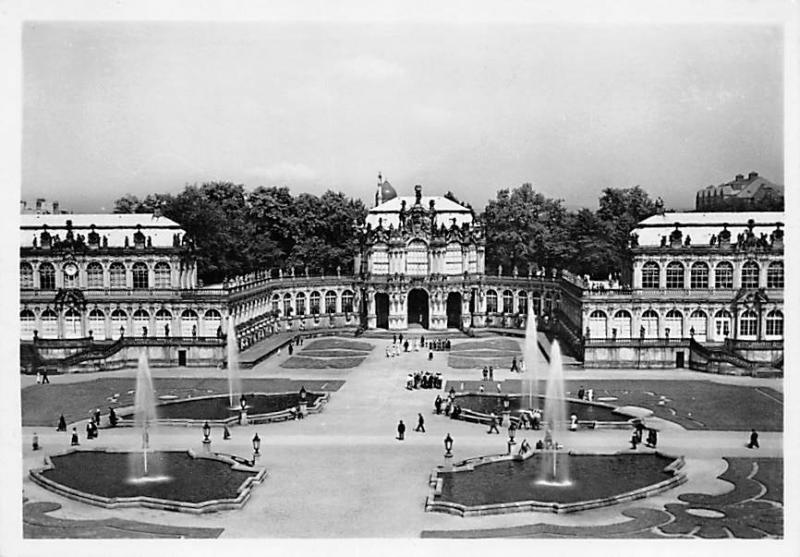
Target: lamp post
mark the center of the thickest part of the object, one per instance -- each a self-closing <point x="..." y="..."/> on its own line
<point x="506" y="411"/>
<point x="512" y="432"/>
<point x="448" y="446"/>
<point x="206" y="440"/>
<point x="243" y="410"/>
<point x="256" y="446"/>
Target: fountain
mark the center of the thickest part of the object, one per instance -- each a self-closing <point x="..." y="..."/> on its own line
<point x="234" y="381"/>
<point x="555" y="470"/>
<point x="530" y="357"/>
<point x="145" y="420"/>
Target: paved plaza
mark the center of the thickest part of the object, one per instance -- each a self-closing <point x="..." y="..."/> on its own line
<point x="343" y="473"/>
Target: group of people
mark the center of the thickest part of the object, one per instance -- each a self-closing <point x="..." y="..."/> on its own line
<point x="424" y="380"/>
<point x="437" y="344"/>
<point x="585" y="394"/>
<point x="530" y="419"/>
<point x="401" y="427"/>
<point x="41" y="377"/>
<point x="451" y="409"/>
<point x="638" y="435"/>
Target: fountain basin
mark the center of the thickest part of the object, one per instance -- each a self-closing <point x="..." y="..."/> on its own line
<point x="510" y="483"/>
<point x="192" y="483"/>
<point x="478" y="407"/>
<point x="216" y="409"/>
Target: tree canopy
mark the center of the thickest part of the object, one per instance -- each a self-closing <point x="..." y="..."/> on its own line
<point x="237" y="231"/>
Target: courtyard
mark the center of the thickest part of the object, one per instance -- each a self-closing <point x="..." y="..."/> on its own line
<point x="351" y="447"/>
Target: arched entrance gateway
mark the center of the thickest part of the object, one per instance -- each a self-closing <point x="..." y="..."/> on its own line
<point x="418" y="307"/>
<point x="382" y="310"/>
<point x="454" y="310"/>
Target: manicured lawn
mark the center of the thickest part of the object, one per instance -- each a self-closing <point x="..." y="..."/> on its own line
<point x="692" y="404"/>
<point x="334" y="353"/>
<point x="42" y="404"/>
<point x="505" y="344"/>
<point x="303" y="362"/>
<point x="328" y="343"/>
<point x="500" y="361"/>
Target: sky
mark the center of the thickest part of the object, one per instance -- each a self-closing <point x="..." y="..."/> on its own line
<point x="117" y="108"/>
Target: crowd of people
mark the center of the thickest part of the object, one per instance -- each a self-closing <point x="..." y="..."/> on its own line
<point x="424" y="380"/>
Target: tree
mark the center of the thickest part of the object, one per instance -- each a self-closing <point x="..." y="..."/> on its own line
<point x="524" y="228"/>
<point x="621" y="209"/>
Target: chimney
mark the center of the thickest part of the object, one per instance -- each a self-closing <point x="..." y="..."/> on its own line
<point x="55" y="208"/>
<point x="752" y="176"/>
<point x="739" y="177"/>
<point x="39" y="203"/>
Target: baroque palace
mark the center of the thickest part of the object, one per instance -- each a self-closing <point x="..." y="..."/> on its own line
<point x="706" y="291"/>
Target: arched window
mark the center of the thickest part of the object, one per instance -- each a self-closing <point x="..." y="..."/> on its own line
<point x="287" y="304"/>
<point x="548" y="303"/>
<point x="379" y="258"/>
<point x="750" y="273"/>
<point x="775" y="275"/>
<point x="651" y="275"/>
<point x="72" y="323"/>
<point x="189" y="323"/>
<point x="748" y="324"/>
<point x="699" y="276"/>
<point x="522" y="302"/>
<point x="71" y="275"/>
<point x="775" y="324"/>
<point x="94" y="275"/>
<point x="162" y="275"/>
<point x="723" y="325"/>
<point x="537" y="303"/>
<point x="675" y="275"/>
<point x="163" y="323"/>
<point x="314" y="300"/>
<point x="330" y="302"/>
<point x="276" y="303"/>
<point x="119" y="323"/>
<point x="49" y="321"/>
<point x="622" y="322"/>
<point x="417" y="258"/>
<point x="597" y="324"/>
<point x="491" y="301"/>
<point x="723" y="275"/>
<point x="212" y="321"/>
<point x="25" y="276"/>
<point x="347" y="301"/>
<point x="698" y="323"/>
<point x="141" y="323"/>
<point x="650" y="324"/>
<point x="300" y="303"/>
<point x="47" y="277"/>
<point x="116" y="275"/>
<point x="97" y="324"/>
<point x="674" y="322"/>
<point x="508" y="301"/>
<point x="140" y="276"/>
<point x="27" y="322"/>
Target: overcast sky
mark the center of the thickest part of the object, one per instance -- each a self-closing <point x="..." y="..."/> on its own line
<point x="115" y="108"/>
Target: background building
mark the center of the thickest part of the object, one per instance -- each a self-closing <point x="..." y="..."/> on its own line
<point x="753" y="193"/>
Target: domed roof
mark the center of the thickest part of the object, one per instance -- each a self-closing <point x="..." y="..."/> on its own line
<point x="387" y="191"/>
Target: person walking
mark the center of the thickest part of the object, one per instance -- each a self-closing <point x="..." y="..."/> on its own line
<point x="401" y="430"/>
<point x="493" y="425"/>
<point x="514" y="367"/>
<point x="437" y="404"/>
<point x="97" y="416"/>
<point x="74" y="441"/>
<point x="753" y="444"/>
<point x="112" y="417"/>
<point x="291" y="349"/>
<point x="420" y="424"/>
<point x="62" y="424"/>
<point x="44" y="377"/>
<point x="581" y="392"/>
<point x="35" y="441"/>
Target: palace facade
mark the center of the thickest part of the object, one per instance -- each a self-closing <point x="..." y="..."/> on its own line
<point x="706" y="290"/>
